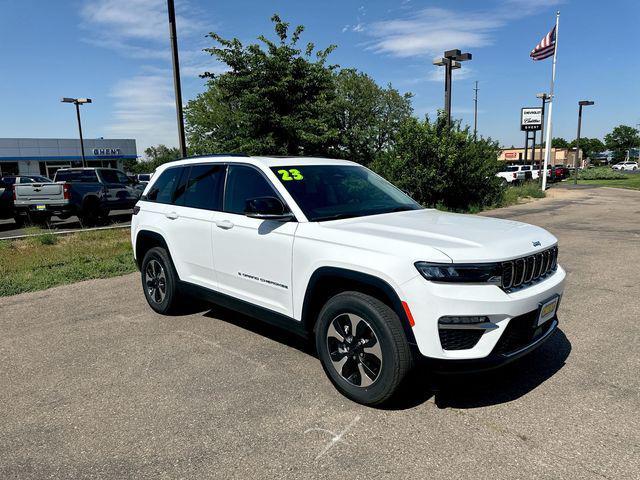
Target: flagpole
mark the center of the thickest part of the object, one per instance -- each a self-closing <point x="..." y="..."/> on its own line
<point x="547" y="148"/>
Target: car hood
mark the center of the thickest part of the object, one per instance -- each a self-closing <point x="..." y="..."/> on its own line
<point x="462" y="238"/>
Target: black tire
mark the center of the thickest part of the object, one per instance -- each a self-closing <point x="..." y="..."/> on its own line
<point x="90" y="214"/>
<point x="20" y="220"/>
<point x="361" y="377"/>
<point x="162" y="292"/>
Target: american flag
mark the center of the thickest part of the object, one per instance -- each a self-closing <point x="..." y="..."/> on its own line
<point x="546" y="47"/>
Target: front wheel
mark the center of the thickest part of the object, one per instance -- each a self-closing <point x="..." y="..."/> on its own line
<point x="362" y="347"/>
<point x="159" y="281"/>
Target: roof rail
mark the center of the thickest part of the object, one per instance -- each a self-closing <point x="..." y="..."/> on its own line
<point x="214" y="155"/>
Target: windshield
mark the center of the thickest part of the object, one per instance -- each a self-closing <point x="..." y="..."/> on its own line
<point x="331" y="192"/>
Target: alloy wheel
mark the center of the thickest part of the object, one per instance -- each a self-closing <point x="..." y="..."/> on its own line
<point x="354" y="349"/>
<point x="156" y="281"/>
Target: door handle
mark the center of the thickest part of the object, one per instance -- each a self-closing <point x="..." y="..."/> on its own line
<point x="171" y="215"/>
<point x="224" y="224"/>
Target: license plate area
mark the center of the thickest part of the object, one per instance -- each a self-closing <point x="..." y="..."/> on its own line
<point x="547" y="310"/>
<point x="41" y="208"/>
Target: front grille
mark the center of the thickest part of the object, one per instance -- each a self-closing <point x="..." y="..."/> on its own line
<point x="530" y="269"/>
<point x="454" y="339"/>
<point x="520" y="332"/>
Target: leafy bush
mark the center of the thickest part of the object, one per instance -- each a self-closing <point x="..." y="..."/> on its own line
<point x="600" y="173"/>
<point x="47" y="239"/>
<point x="442" y="166"/>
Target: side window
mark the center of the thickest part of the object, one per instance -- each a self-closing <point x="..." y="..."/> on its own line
<point x="25" y="180"/>
<point x="244" y="183"/>
<point x="204" y="187"/>
<point x="163" y="188"/>
<point x="114" y="176"/>
<point x="88" y="176"/>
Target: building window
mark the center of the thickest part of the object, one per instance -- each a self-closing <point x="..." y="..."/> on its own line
<point x="8" y="168"/>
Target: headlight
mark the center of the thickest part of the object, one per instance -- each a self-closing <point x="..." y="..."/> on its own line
<point x="468" y="273"/>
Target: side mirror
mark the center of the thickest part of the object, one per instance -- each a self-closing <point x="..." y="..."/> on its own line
<point x="267" y="208"/>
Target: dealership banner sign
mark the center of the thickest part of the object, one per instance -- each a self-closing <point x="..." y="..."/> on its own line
<point x="531" y="118"/>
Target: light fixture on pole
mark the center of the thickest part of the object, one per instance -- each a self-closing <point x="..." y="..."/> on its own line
<point x="451" y="61"/>
<point x="581" y="103"/>
<point x="77" y="102"/>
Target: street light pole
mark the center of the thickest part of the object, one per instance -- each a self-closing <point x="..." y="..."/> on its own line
<point x="176" y="76"/>
<point x="581" y="104"/>
<point x="77" y="102"/>
<point x="451" y="61"/>
<point x="475" y="113"/>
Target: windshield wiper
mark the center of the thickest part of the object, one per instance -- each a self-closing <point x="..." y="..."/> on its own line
<point x="337" y="216"/>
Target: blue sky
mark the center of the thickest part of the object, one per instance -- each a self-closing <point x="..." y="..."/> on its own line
<point x="117" y="52"/>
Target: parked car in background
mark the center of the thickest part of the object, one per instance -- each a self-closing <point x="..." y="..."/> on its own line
<point x="514" y="174"/>
<point x="628" y="165"/>
<point x="7" y="183"/>
<point x="89" y="193"/>
<point x="559" y="172"/>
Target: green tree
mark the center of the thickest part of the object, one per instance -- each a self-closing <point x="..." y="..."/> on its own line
<point x="274" y="99"/>
<point x="589" y="146"/>
<point x="559" y="142"/>
<point x="440" y="165"/>
<point x="622" y="138"/>
<point x="367" y="116"/>
<point x="154" y="157"/>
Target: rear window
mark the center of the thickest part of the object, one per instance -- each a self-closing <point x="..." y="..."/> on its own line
<point x="203" y="189"/>
<point x="162" y="190"/>
<point x="72" y="176"/>
<point x="513" y="168"/>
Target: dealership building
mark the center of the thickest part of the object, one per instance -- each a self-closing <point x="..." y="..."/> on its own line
<point x="43" y="156"/>
<point x="559" y="156"/>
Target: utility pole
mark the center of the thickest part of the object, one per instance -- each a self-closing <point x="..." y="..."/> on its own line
<point x="581" y="104"/>
<point x="475" y="112"/>
<point x="176" y="76"/>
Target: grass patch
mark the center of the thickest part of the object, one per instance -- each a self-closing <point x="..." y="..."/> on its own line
<point x="47" y="260"/>
<point x="515" y="194"/>
<point x="601" y="173"/>
<point x="626" y="180"/>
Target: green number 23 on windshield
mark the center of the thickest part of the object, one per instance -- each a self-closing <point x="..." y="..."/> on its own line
<point x="291" y="174"/>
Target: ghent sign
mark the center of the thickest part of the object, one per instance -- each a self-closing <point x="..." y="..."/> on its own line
<point x="531" y="118"/>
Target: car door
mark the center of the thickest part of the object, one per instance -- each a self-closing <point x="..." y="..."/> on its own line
<point x="252" y="256"/>
<point x="190" y="220"/>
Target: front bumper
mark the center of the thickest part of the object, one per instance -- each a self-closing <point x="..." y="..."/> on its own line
<point x="430" y="301"/>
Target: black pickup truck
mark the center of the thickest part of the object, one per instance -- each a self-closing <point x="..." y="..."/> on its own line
<point x="89" y="193"/>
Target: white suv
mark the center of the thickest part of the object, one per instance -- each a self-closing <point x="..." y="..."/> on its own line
<point x="625" y="166"/>
<point x="328" y="249"/>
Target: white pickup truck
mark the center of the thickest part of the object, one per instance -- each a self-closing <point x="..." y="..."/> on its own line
<point x="330" y="250"/>
<point x="515" y="174"/>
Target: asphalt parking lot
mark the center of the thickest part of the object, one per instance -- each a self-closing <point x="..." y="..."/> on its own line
<point x="93" y="384"/>
<point x="8" y="227"/>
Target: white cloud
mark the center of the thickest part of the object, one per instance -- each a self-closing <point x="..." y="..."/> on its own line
<point x="144" y="109"/>
<point x="430" y="31"/>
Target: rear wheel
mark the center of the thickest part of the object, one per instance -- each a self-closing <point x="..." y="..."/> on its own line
<point x="159" y="281"/>
<point x="362" y="347"/>
<point x="90" y="213"/>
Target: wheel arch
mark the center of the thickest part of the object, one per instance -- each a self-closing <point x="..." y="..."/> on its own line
<point x="146" y="240"/>
<point x="326" y="282"/>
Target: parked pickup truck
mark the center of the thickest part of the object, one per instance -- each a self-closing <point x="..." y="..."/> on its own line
<point x="515" y="174"/>
<point x="89" y="193"/>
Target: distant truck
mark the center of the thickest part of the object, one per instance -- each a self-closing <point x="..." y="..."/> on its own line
<point x="89" y="193"/>
<point x="514" y="174"/>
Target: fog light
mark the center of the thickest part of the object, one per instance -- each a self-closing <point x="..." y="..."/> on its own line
<point x="462" y="320"/>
